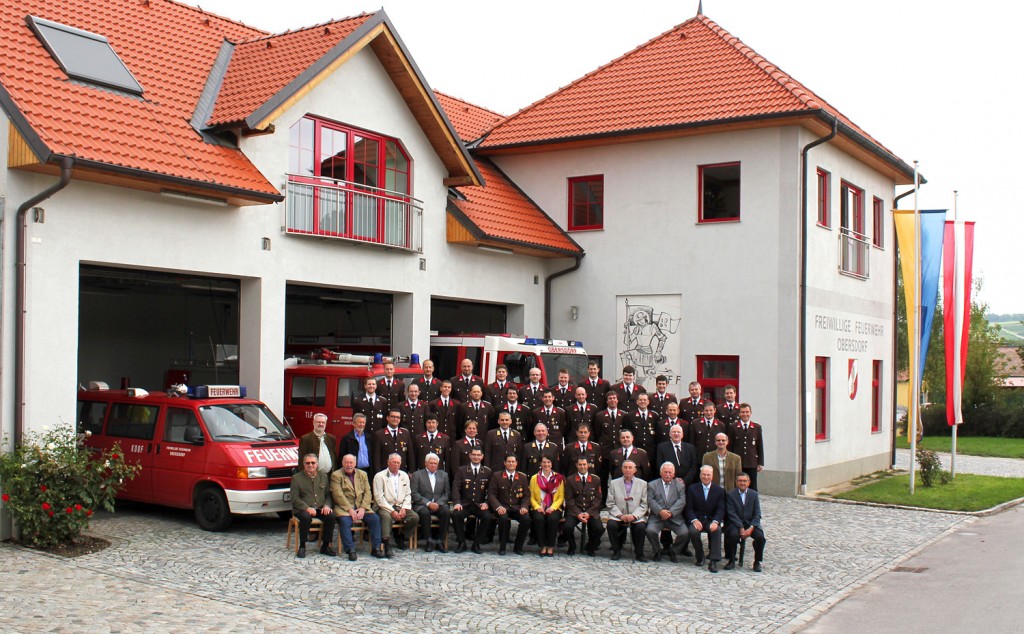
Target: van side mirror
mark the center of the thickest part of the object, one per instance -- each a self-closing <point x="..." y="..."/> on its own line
<point x="194" y="435"/>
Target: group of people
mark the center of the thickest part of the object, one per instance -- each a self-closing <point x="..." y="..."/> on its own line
<point x="593" y="447"/>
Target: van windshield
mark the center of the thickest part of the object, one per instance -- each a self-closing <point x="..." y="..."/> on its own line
<point x="576" y="364"/>
<point x="243" y="422"/>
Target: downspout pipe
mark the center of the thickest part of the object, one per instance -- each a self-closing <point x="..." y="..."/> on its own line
<point x="547" y="291"/>
<point x="21" y="310"/>
<point x="895" y="332"/>
<point x="803" y="300"/>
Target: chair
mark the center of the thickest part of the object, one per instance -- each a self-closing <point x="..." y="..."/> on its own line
<point x="293" y="528"/>
<point x="434" y="523"/>
<point x="358" y="528"/>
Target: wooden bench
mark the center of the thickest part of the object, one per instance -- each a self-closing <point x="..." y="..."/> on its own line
<point x="315" y="528"/>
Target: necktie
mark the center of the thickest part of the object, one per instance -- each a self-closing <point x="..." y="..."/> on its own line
<point x="629" y="391"/>
<point x="625" y="454"/>
<point x="593" y="383"/>
<point x="431" y="438"/>
<point x="679" y="458"/>
<point x="477" y="406"/>
<point x="394" y="434"/>
<point x="505" y="434"/>
<point x="510" y="477"/>
<point x="476" y="471"/>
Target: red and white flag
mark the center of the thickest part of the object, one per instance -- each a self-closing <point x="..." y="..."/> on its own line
<point x="959" y="253"/>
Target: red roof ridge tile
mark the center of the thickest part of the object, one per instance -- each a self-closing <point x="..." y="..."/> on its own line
<point x="203" y="11"/>
<point x="321" y="25"/>
<point x="469" y="103"/>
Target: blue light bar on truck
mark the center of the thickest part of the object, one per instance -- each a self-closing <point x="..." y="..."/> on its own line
<point x="534" y="341"/>
<point x="218" y="391"/>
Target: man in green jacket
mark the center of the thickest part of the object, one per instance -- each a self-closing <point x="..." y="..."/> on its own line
<point x="311" y="497"/>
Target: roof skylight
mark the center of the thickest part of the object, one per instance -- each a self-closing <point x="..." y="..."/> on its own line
<point x="84" y="56"/>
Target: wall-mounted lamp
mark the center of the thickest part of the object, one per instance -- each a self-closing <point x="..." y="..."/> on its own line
<point x="423" y="264"/>
<point x="266" y="244"/>
<point x="38" y="215"/>
<point x="574" y="312"/>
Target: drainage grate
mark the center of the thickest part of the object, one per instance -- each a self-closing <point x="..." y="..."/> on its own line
<point x="909" y="569"/>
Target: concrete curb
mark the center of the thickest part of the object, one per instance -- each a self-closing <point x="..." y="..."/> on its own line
<point x="998" y="508"/>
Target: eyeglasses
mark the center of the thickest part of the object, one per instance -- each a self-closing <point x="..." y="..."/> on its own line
<point x="311" y="462"/>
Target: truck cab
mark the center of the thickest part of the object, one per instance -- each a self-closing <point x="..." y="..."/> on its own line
<point x="518" y="354"/>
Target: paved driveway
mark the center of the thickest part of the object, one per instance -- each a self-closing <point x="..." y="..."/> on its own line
<point x="165" y="574"/>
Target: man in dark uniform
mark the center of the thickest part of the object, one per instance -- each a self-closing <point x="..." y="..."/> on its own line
<point x="583" y="501"/>
<point x="692" y="408"/>
<point x="747" y="442"/>
<point x="477" y="409"/>
<point x="372" y="405"/>
<point x="469" y="499"/>
<point x="627" y="451"/>
<point x="389" y="387"/>
<point x="495" y="392"/>
<point x="501" y="442"/>
<point x="661" y="430"/>
<point x="462" y="448"/>
<point x="430" y="385"/>
<point x="729" y="410"/>
<point x="531" y="393"/>
<point x="704" y="429"/>
<point x="508" y="495"/>
<point x="642" y="421"/>
<point x="661" y="397"/>
<point x="311" y="498"/>
<point x="608" y="425"/>
<point x="433" y="441"/>
<point x="540" y="447"/>
<point x="583" y="448"/>
<point x="553" y="418"/>
<point x="627" y="389"/>
<point x="446" y="408"/>
<point x="563" y="390"/>
<point x="463" y="382"/>
<point x="579" y="412"/>
<point x="394" y="439"/>
<point x="522" y="417"/>
<point x="595" y="386"/>
<point x="414" y="411"/>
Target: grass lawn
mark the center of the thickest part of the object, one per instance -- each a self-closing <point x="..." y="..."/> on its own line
<point x="971" y="445"/>
<point x="965" y="493"/>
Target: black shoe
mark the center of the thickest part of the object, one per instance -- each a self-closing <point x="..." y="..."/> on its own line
<point x="387" y="550"/>
<point x="476" y="549"/>
<point x="616" y="555"/>
<point x="441" y="548"/>
<point x="501" y="550"/>
<point x="531" y="541"/>
<point x="757" y="566"/>
<point x="571" y="550"/>
<point x="301" y="553"/>
<point x="686" y="552"/>
<point x="352" y="555"/>
<point x="713" y="567"/>
<point x="327" y="550"/>
<point x="562" y="541"/>
<point x="518" y="550"/>
<point x="377" y="553"/>
<point x="699" y="561"/>
<point x="429" y="547"/>
<point x="731" y="565"/>
<point x="591" y="552"/>
<point x="657" y="555"/>
<point x="672" y="556"/>
<point x="640" y="557"/>
<point x="460" y="547"/>
<point x="401" y="544"/>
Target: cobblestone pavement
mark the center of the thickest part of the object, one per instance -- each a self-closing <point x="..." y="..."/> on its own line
<point x="163" y="573"/>
<point x="980" y="465"/>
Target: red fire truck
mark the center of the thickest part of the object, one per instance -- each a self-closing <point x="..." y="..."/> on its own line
<point x="519" y="354"/>
<point x="210" y="449"/>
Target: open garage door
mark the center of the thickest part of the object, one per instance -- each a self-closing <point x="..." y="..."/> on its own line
<point x="150" y="329"/>
<point x="339" y="319"/>
<point x="451" y="317"/>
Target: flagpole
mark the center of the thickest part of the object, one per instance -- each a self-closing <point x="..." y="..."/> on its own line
<point x="915" y="343"/>
<point x="956" y="304"/>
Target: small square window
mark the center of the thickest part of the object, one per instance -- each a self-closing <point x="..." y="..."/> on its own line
<point x="586" y="203"/>
<point x="719" y="192"/>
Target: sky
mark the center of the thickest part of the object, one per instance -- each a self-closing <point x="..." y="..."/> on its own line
<point x="930" y="79"/>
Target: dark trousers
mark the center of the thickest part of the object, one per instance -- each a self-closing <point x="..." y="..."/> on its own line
<point x="753" y="477"/>
<point x="505" y="527"/>
<point x="595" y="529"/>
<point x="732" y="539"/>
<point x="483" y="522"/>
<point x="617" y="535"/>
<point x="546" y="527"/>
<point x="443" y="514"/>
<point x="306" y="520"/>
<point x="714" y="541"/>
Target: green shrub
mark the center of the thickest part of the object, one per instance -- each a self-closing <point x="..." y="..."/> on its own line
<point x="931" y="468"/>
<point x="52" y="483"/>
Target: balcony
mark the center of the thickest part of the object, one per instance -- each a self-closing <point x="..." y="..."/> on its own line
<point x="854" y="254"/>
<point x="329" y="208"/>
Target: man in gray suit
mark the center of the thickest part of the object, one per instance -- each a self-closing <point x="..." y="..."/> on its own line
<point x="666" y="499"/>
<point x="743" y="520"/>
<point x="430" y="492"/>
<point x="627" y="508"/>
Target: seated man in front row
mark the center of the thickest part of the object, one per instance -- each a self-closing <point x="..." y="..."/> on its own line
<point x="350" y="489"/>
<point x="311" y="497"/>
<point x="743" y="508"/>
<point x="705" y="512"/>
<point x="430" y="492"/>
<point x="392" y="496"/>
<point x="666" y="500"/>
<point x="627" y="509"/>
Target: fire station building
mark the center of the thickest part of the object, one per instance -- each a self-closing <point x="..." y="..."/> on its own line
<point x="188" y="198"/>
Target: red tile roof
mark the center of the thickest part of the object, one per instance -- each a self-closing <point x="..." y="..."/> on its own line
<point x="261" y="68"/>
<point x="502" y="212"/>
<point x="168" y="47"/>
<point x="696" y="73"/>
<point x="469" y="120"/>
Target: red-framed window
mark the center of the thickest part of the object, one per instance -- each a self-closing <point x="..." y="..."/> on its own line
<point x="718" y="188"/>
<point x="714" y="372"/>
<point x="824" y="215"/>
<point x="821" y="398"/>
<point x="586" y="203"/>
<point x="877" y="222"/>
<point x="361" y="181"/>
<point x="876" y="396"/>
<point x="852" y="210"/>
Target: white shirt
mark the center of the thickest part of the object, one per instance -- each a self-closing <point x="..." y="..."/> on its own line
<point x="396" y="483"/>
<point x="433" y="479"/>
<point x="721" y="470"/>
<point x="324" y="460"/>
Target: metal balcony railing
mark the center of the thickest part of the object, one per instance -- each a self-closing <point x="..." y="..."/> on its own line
<point x="330" y="208"/>
<point x="854" y="253"/>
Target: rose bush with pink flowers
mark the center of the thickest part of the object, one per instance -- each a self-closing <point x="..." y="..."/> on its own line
<point x="54" y="470"/>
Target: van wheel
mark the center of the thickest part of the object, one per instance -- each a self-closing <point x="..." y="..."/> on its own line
<point x="212" y="510"/>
